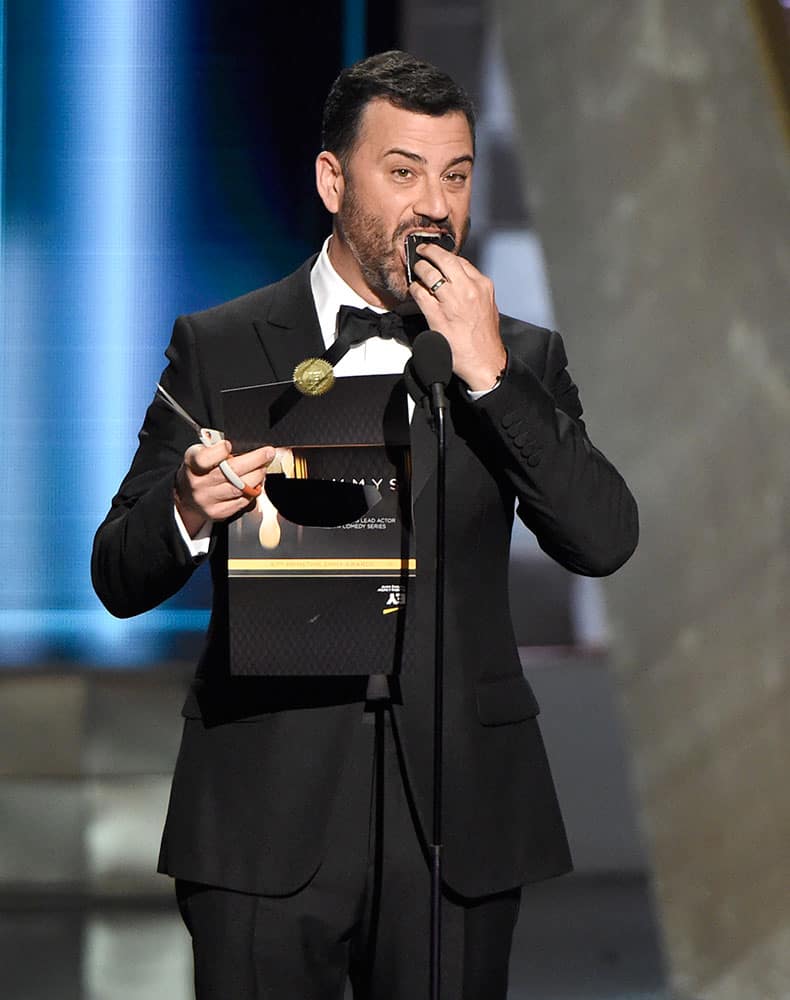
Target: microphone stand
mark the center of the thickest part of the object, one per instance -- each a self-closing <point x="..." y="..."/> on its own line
<point x="439" y="404"/>
<point x="431" y="367"/>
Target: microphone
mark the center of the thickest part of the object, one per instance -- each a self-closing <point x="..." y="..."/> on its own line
<point x="431" y="366"/>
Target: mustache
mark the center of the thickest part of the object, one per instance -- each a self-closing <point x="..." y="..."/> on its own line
<point x="427" y="224"/>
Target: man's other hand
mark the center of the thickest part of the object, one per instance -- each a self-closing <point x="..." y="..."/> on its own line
<point x="461" y="307"/>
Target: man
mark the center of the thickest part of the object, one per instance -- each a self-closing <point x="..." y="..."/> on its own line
<point x="300" y="808"/>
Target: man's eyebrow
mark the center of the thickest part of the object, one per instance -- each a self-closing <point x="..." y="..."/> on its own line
<point x="416" y="158"/>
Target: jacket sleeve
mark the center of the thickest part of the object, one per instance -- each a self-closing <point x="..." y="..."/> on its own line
<point x="139" y="558"/>
<point x="573" y="499"/>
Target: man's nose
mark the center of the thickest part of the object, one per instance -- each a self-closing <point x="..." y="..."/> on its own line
<point x="431" y="201"/>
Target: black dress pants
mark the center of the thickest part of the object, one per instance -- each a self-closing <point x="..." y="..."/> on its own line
<point x="363" y="916"/>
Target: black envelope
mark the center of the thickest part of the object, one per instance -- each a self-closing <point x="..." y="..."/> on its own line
<point x="320" y="571"/>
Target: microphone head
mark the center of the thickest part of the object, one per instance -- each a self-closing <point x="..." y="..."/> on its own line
<point x="432" y="359"/>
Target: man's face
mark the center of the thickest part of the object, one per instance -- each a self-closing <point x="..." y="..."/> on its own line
<point x="408" y="172"/>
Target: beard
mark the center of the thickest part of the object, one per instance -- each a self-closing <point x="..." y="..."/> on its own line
<point x="378" y="253"/>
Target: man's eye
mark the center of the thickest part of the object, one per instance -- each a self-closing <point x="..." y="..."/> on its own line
<point x="456" y="178"/>
<point x="402" y="173"/>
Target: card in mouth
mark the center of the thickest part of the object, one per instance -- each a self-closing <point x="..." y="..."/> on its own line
<point x="413" y="240"/>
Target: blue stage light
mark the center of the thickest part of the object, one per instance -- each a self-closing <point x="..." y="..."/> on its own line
<point x="126" y="137"/>
<point x="89" y="267"/>
<point x="354" y="31"/>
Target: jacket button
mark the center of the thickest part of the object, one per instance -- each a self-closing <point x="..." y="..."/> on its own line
<point x="509" y="419"/>
<point x="524" y="438"/>
<point x="533" y="460"/>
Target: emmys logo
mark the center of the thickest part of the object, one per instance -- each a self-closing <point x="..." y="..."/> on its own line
<point x="378" y="482"/>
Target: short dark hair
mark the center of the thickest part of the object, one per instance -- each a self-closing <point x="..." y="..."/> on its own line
<point x="396" y="77"/>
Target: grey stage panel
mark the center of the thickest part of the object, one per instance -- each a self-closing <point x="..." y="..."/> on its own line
<point x="41" y="724"/>
<point x="125" y="821"/>
<point x="41" y="832"/>
<point x="133" y="723"/>
<point x="40" y="955"/>
<point x="137" y="956"/>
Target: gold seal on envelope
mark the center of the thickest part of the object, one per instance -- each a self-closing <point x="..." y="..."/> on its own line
<point x="314" y="377"/>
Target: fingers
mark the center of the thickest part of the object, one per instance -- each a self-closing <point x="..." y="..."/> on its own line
<point x="216" y="487"/>
<point x="440" y="264"/>
<point x="445" y="275"/>
<point x="252" y="465"/>
<point x="200" y="460"/>
<point x="251" y="461"/>
<point x="429" y="279"/>
<point x="442" y="278"/>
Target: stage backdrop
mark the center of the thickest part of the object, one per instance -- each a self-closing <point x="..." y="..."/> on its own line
<point x="156" y="159"/>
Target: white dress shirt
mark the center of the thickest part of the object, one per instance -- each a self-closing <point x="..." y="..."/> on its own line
<point x="373" y="356"/>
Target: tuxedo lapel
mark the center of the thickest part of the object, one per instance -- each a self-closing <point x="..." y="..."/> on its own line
<point x="290" y="332"/>
<point x="424" y="441"/>
<point x="423" y="451"/>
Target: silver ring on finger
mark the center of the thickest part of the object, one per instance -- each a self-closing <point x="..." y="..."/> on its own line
<point x="437" y="284"/>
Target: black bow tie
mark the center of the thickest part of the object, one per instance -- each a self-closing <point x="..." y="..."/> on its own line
<point x="356" y="325"/>
<point x="353" y="327"/>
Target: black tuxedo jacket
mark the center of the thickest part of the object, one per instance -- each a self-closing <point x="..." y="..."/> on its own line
<point x="261" y="757"/>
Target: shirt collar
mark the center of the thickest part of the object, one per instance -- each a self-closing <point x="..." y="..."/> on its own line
<point x="330" y="292"/>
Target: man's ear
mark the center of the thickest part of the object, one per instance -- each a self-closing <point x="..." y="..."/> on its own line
<point x="329" y="180"/>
